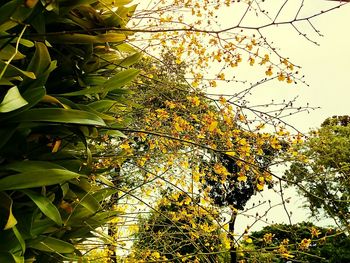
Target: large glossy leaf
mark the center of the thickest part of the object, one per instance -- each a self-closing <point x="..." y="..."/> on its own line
<point x="45" y="206"/>
<point x="121" y="78"/>
<point x="32" y="96"/>
<point x="12" y="100"/>
<point x="24" y="166"/>
<point x="58" y="115"/>
<point x="86" y="39"/>
<point x="50" y="244"/>
<point x="112" y="84"/>
<point x="36" y="178"/>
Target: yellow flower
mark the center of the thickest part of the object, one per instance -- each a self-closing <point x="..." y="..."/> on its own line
<point x="304" y="244"/>
<point x="269" y="72"/>
<point x="315" y="232"/>
<point x="155" y="254"/>
<point x="213" y="126"/>
<point x="281" y="77"/>
<point x="242" y="178"/>
<point x="221" y="76"/>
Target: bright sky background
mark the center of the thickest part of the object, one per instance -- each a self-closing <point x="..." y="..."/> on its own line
<point x="327" y="71"/>
<point x="326" y="67"/>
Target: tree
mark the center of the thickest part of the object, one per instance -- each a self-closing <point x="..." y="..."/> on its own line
<point x="179" y="230"/>
<point x="323" y="174"/>
<point x="302" y="242"/>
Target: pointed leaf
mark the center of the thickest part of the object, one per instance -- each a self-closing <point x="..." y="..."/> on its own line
<point x="58" y="115"/>
<point x="45" y="206"/>
<point x="12" y="100"/>
<point x="75" y="38"/>
<point x="115" y="82"/>
<point x="20" y="239"/>
<point x="24" y="166"/>
<point x="50" y="244"/>
<point x="36" y="178"/>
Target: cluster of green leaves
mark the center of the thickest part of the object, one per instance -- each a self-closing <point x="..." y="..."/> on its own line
<point x="62" y="78"/>
<point x="324" y="177"/>
<point x="324" y="244"/>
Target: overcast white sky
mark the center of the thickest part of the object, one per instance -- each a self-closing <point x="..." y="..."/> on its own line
<point x="327" y="71"/>
<point x="326" y="67"/>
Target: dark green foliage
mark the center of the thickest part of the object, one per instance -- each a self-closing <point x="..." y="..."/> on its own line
<point x="59" y="92"/>
<point x="327" y="246"/>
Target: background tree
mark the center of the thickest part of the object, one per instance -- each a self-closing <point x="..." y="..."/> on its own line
<point x="302" y="242"/>
<point x="179" y="230"/>
<point x="324" y="177"/>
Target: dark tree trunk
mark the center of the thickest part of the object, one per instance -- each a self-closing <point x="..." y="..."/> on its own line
<point x="233" y="249"/>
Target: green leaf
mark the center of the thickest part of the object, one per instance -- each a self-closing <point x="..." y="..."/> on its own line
<point x="6" y="203"/>
<point x="88" y="201"/>
<point x="45" y="206"/>
<point x="58" y="115"/>
<point x="18" y="259"/>
<point x="76" y="38"/>
<point x="5" y="82"/>
<point x="23" y="166"/>
<point x="50" y="244"/>
<point x="41" y="59"/>
<point x="12" y="100"/>
<point x="41" y="226"/>
<point x="130" y="60"/>
<point x="103" y="105"/>
<point x="36" y="178"/>
<point x="19" y="238"/>
<point x="121" y="78"/>
<point x="115" y="82"/>
<point x="32" y="96"/>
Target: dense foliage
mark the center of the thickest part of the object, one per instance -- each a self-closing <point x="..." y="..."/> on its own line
<point x="324" y="177"/>
<point x="59" y="92"/>
<point x="303" y="242"/>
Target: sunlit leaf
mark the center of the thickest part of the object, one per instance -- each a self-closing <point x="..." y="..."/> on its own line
<point x="12" y="100"/>
<point x="36" y="178"/>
